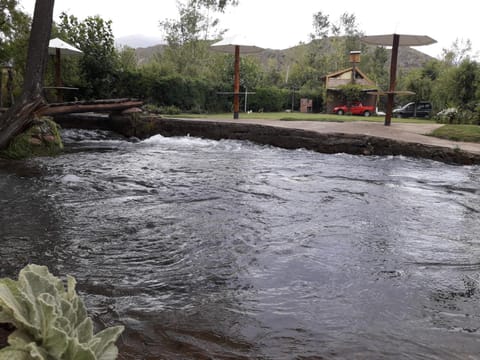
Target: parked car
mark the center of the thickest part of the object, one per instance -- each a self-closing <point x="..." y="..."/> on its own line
<point x="414" y="109"/>
<point x="355" y="109"/>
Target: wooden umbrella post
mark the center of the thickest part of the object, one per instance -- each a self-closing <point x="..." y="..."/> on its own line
<point x="393" y="79"/>
<point x="58" y="75"/>
<point x="232" y="45"/>
<point x="236" y="84"/>
<point x="395" y="40"/>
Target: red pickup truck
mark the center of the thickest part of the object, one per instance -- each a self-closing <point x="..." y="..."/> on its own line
<point x="355" y="109"/>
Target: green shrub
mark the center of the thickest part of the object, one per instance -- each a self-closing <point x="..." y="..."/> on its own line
<point x="458" y="116"/>
<point x="269" y="99"/>
<point x="51" y="322"/>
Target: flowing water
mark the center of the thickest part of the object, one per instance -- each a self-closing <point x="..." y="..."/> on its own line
<point x="229" y="250"/>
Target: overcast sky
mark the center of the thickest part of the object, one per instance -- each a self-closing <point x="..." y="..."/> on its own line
<point x="280" y="24"/>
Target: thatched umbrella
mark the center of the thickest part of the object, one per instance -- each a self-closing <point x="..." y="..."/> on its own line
<point x="59" y="48"/>
<point x="395" y="40"/>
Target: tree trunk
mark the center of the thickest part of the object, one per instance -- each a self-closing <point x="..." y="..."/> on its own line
<point x="21" y="115"/>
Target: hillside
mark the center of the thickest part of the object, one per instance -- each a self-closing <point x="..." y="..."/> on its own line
<point x="145" y="54"/>
<point x="408" y="58"/>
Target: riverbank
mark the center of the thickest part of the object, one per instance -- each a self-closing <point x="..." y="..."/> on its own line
<point x="357" y="138"/>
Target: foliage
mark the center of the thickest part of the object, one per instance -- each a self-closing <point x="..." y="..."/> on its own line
<point x="188" y="49"/>
<point x="375" y="65"/>
<point x="421" y="85"/>
<point x="166" y="110"/>
<point x="269" y="99"/>
<point x="447" y="116"/>
<point x="13" y="24"/>
<point x="51" y="322"/>
<point x="127" y="59"/>
<point x="14" y="34"/>
<point x="458" y="116"/>
<point x="344" y="36"/>
<point x="8" y="8"/>
<point x="459" y="51"/>
<point x="99" y="63"/>
<point x="466" y="83"/>
<point x="351" y="92"/>
<point x="249" y="69"/>
<point x="452" y="82"/>
<point x="218" y="5"/>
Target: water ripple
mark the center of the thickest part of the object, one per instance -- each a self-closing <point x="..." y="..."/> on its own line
<point x="226" y="249"/>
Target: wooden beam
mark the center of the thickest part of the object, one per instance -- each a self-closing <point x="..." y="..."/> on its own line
<point x="83" y="107"/>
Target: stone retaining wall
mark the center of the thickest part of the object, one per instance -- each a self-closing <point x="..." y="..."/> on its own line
<point x="142" y="127"/>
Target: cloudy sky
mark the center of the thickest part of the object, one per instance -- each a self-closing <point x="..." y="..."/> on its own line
<point x="280" y="24"/>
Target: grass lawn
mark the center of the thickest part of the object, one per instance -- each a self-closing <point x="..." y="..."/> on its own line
<point x="468" y="133"/>
<point x="284" y="116"/>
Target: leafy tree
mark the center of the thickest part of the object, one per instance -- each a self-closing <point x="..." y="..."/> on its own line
<point x="19" y="116"/>
<point x="346" y="38"/>
<point x="249" y="68"/>
<point x="218" y="5"/>
<point x="442" y="96"/>
<point x="13" y="22"/>
<point x="272" y="76"/>
<point x="99" y="64"/>
<point x="352" y="93"/>
<point x="466" y="84"/>
<point x="417" y="82"/>
<point x="321" y="26"/>
<point x="269" y="99"/>
<point x="329" y="49"/>
<point x="14" y="34"/>
<point x="459" y="51"/>
<point x="127" y="60"/>
<point x="375" y="66"/>
<point x="187" y="37"/>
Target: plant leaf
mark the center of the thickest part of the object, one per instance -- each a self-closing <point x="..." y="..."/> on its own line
<point x="107" y="337"/>
<point x="10" y="353"/>
<point x="84" y="331"/>
<point x="36" y="352"/>
<point x="15" y="304"/>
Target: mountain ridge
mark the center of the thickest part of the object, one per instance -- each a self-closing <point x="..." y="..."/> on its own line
<point x="146" y="47"/>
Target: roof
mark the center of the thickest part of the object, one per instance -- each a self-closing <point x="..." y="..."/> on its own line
<point x="367" y="80"/>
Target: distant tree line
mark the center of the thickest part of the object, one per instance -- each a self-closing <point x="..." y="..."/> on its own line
<point x="186" y="76"/>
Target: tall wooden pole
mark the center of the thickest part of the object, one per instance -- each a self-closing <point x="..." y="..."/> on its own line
<point x="236" y="84"/>
<point x="1" y="87"/>
<point x="393" y="79"/>
<point x="58" y="74"/>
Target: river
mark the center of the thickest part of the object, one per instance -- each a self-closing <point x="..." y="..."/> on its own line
<point x="229" y="250"/>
